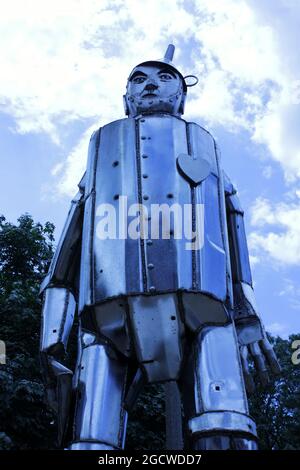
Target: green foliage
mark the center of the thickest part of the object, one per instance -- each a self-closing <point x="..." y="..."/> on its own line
<point x="146" y="425"/>
<point x="276" y="408"/>
<point x="25" y="252"/>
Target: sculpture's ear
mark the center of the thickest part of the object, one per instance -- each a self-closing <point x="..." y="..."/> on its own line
<point x="126" y="110"/>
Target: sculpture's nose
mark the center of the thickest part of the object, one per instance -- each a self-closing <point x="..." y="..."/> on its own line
<point x="151" y="86"/>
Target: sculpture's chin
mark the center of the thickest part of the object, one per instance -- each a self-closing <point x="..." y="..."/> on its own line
<point x="151" y="105"/>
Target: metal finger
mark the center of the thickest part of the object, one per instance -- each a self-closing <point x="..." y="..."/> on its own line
<point x="259" y="362"/>
<point x="249" y="383"/>
<point x="270" y="355"/>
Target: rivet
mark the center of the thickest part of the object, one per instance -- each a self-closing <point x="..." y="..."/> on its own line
<point x="145" y="197"/>
<point x="173" y="317"/>
<point x="149" y="242"/>
<point x="152" y="289"/>
<point x="145" y="176"/>
<point x="149" y="138"/>
<point x="143" y="137"/>
<point x="170" y="195"/>
<point x="149" y="218"/>
<point x="144" y="156"/>
<point x="171" y="232"/>
<point x="142" y="120"/>
<point x="115" y="163"/>
<point x="150" y="266"/>
<point x="116" y="197"/>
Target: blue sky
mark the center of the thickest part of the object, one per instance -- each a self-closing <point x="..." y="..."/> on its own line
<point x="64" y="67"/>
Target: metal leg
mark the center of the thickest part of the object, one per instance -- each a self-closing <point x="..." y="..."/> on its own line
<point x="100" y="419"/>
<point x="214" y="398"/>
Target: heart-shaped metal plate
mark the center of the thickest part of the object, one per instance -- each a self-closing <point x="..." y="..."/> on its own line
<point x="194" y="170"/>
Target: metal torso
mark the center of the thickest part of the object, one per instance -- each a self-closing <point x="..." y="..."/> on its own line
<point x="136" y="158"/>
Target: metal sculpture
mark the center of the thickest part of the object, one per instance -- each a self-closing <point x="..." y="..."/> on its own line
<point x="154" y="305"/>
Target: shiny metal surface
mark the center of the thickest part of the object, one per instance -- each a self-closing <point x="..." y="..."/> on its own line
<point x="89" y="445"/>
<point x="162" y="139"/>
<point x="199" y="309"/>
<point x="219" y="375"/>
<point x="237" y="241"/>
<point x="99" y="413"/>
<point x="212" y="378"/>
<point x="141" y="297"/>
<point x="86" y="286"/>
<point x="156" y="264"/>
<point x="58" y="316"/>
<point x="227" y="442"/>
<point x="118" y="144"/>
<point x="89" y="179"/>
<point x="64" y="262"/>
<point x="222" y="421"/>
<point x="158" y="335"/>
<point x="210" y="261"/>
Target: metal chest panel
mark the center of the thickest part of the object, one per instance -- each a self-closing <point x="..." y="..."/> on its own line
<point x="161" y="139"/>
<point x="86" y="290"/>
<point x="117" y="262"/>
<point x="201" y="143"/>
<point x="210" y="260"/>
<point x="136" y="159"/>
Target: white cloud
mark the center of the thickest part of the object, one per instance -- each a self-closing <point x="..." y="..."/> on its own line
<point x="74" y="166"/>
<point x="267" y="172"/>
<point x="277" y="231"/>
<point x="67" y="61"/>
<point x="279" y="329"/>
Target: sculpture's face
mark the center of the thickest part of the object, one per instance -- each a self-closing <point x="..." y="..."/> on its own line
<point x="154" y="88"/>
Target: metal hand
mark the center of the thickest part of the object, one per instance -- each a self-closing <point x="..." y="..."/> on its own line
<point x="58" y="390"/>
<point x="263" y="355"/>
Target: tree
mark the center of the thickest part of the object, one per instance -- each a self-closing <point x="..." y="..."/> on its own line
<point x="25" y="253"/>
<point x="276" y="408"/>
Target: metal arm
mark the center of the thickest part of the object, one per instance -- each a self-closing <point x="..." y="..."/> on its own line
<point x="251" y="334"/>
<point x="59" y="306"/>
<point x="59" y="286"/>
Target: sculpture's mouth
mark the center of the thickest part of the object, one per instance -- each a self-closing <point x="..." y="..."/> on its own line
<point x="149" y="95"/>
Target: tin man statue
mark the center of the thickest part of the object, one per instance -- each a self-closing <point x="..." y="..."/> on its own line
<point x="154" y="308"/>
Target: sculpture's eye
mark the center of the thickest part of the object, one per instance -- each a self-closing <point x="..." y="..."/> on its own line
<point x="139" y="79"/>
<point x="165" y="76"/>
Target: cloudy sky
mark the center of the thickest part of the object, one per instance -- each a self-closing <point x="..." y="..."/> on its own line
<point x="64" y="66"/>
